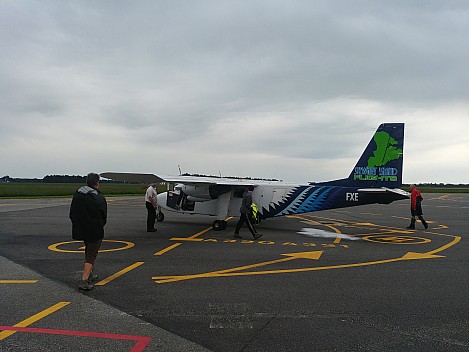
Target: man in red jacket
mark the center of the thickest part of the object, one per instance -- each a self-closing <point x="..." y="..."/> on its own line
<point x="416" y="207"/>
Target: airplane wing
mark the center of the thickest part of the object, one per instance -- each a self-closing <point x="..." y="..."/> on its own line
<point x="184" y="179"/>
<point x="131" y="177"/>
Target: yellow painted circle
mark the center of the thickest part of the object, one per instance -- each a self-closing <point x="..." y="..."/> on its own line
<point x="54" y="247"/>
<point x="396" y="239"/>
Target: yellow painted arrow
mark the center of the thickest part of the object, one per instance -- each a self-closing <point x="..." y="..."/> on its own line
<point x="415" y="255"/>
<point x="231" y="272"/>
<point x="432" y="254"/>
<point x="314" y="255"/>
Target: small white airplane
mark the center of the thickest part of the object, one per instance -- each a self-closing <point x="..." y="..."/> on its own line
<point x="376" y="178"/>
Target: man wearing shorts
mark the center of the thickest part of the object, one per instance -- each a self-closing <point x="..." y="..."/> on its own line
<point x="88" y="213"/>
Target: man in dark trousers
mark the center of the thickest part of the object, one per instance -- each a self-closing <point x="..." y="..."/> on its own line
<point x="151" y="204"/>
<point x="88" y="213"/>
<point x="416" y="208"/>
<point x="245" y="210"/>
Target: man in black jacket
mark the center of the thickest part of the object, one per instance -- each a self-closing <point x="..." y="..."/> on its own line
<point x="88" y="213"/>
<point x="245" y="210"/>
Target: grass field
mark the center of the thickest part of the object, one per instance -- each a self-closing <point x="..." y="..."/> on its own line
<point x="37" y="190"/>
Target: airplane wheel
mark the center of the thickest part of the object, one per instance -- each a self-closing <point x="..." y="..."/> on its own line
<point x="219" y="225"/>
<point x="159" y="216"/>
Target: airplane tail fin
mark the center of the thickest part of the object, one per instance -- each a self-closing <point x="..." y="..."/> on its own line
<point x="381" y="163"/>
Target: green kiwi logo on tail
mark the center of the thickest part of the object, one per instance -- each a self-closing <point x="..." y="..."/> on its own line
<point x="385" y="150"/>
<point x="381" y="162"/>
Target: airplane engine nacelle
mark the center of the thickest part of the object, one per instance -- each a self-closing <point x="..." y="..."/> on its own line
<point x="197" y="193"/>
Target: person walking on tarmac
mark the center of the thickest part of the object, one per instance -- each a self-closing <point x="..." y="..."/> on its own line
<point x="416" y="208"/>
<point x="88" y="212"/>
<point x="150" y="203"/>
<point x="245" y="210"/>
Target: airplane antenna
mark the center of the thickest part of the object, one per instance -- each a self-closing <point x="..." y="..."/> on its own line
<point x="180" y="173"/>
<point x="219" y="173"/>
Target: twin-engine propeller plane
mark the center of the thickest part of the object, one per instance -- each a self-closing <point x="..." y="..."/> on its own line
<point x="376" y="178"/>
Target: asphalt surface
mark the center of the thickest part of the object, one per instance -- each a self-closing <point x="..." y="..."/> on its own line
<point x="347" y="280"/>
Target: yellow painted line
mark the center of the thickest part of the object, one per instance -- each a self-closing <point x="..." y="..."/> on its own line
<point x="167" y="249"/>
<point x="192" y="238"/>
<point x="446" y="246"/>
<point x="119" y="274"/>
<point x="200" y="233"/>
<point x="18" y="281"/>
<point x="231" y="272"/>
<point x="408" y="256"/>
<point x="203" y="231"/>
<point x="54" y="247"/>
<point x="34" y="318"/>
<point x="267" y="272"/>
<point x="400" y="217"/>
<point x="186" y="239"/>
<point x="314" y="255"/>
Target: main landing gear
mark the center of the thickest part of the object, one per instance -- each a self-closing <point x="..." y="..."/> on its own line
<point x="219" y="225"/>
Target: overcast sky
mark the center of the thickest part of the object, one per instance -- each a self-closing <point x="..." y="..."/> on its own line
<point x="292" y="90"/>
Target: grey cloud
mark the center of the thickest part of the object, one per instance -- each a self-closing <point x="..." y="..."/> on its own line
<point x="195" y="75"/>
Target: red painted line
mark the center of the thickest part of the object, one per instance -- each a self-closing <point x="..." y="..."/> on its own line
<point x="142" y="341"/>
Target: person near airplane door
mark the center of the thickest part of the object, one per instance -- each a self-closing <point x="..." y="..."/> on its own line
<point x="245" y="210"/>
<point x="151" y="205"/>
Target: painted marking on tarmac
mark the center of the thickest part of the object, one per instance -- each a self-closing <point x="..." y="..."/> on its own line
<point x="18" y="281"/>
<point x="193" y="238"/>
<point x="167" y="249"/>
<point x="81" y="249"/>
<point x="142" y="341"/>
<point x="314" y="255"/>
<point x="387" y="239"/>
<point x="271" y="243"/>
<point x="32" y="319"/>
<point x="119" y="274"/>
<point x="352" y="224"/>
<point x="186" y="239"/>
<point x="407" y="256"/>
<point x="389" y="236"/>
<point x="430" y="222"/>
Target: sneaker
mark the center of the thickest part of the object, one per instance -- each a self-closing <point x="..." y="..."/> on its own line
<point x="236" y="235"/>
<point x="85" y="285"/>
<point x="257" y="235"/>
<point x="151" y="230"/>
